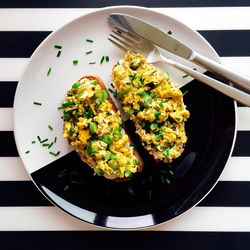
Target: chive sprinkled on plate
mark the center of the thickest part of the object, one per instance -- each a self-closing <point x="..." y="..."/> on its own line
<point x="50" y="127"/>
<point x="66" y="188"/>
<point x="44" y="140"/>
<point x="54" y="154"/>
<point x="89" y="40"/>
<point x="27" y="152"/>
<point x="51" y="144"/>
<point x="92" y="62"/>
<point x="55" y="139"/>
<point x="107" y="58"/>
<point x="150" y="194"/>
<point x="169" y="32"/>
<point x="131" y="191"/>
<point x="45" y="144"/>
<point x="57" y="46"/>
<point x="49" y="71"/>
<point x="88" y="52"/>
<point x="184" y="76"/>
<point x="33" y="142"/>
<point x="37" y="103"/>
<point x="58" y="53"/>
<point x="75" y="62"/>
<point x="39" y="138"/>
<point x="102" y="59"/>
<point x="185" y="92"/>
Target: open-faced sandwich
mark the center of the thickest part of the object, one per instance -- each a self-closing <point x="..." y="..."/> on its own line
<point x="154" y="103"/>
<point x="93" y="126"/>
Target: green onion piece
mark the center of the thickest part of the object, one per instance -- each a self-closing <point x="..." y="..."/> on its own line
<point x="99" y="171"/>
<point x="118" y="63"/>
<point x="93" y="82"/>
<point x="166" y="153"/>
<point x="33" y="142"/>
<point x="59" y="53"/>
<point x="49" y="71"/>
<point x="93" y="127"/>
<point x="107" y="58"/>
<point x="184" y="76"/>
<point x="50" y="127"/>
<point x="76" y="85"/>
<point x="27" y="152"/>
<point x="103" y="144"/>
<point x="88" y="52"/>
<point x="39" y="138"/>
<point x="185" y="92"/>
<point x="45" y="144"/>
<point x="66" y="188"/>
<point x="92" y="62"/>
<point x="131" y="191"/>
<point x="169" y="32"/>
<point x="51" y="144"/>
<point x="132" y="145"/>
<point x="153" y="126"/>
<point x="157" y="114"/>
<point x="37" y="103"/>
<point x="103" y="57"/>
<point x="128" y="174"/>
<point x="68" y="104"/>
<point x="89" y="41"/>
<point x="75" y="62"/>
<point x="171" y="172"/>
<point x="195" y="69"/>
<point x="162" y="105"/>
<point x="168" y="181"/>
<point x="54" y="154"/>
<point x="55" y="139"/>
<point x="44" y="140"/>
<point x="61" y="107"/>
<point x="57" y="46"/>
<point x="107" y="139"/>
<point x="159" y="134"/>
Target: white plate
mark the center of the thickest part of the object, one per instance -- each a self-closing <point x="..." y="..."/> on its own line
<point x="35" y="85"/>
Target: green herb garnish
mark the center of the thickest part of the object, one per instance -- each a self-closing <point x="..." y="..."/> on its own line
<point x="75" y="62"/>
<point x="88" y="52"/>
<point x="57" y="46"/>
<point x="76" y="85"/>
<point x="37" y="103"/>
<point x="107" y="139"/>
<point x="102" y="95"/>
<point x="49" y="71"/>
<point x="68" y="104"/>
<point x="54" y="154"/>
<point x="50" y="127"/>
<point x="93" y="127"/>
<point x="59" y="53"/>
<point x="102" y="59"/>
<point x="27" y="152"/>
<point x="89" y="40"/>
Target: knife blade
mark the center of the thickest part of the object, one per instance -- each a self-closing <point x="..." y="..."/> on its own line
<point x="160" y="38"/>
<point x="152" y="34"/>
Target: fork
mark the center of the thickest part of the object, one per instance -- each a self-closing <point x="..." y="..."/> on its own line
<point x="127" y="41"/>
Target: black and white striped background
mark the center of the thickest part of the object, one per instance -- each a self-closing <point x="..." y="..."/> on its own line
<point x="29" y="221"/>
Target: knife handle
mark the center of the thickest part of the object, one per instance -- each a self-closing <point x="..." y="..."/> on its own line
<point x="221" y="70"/>
<point x="234" y="93"/>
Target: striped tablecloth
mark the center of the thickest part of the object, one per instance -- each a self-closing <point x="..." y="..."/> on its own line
<point x="29" y="221"/>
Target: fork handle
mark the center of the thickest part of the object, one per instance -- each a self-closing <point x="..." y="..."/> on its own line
<point x="221" y="70"/>
<point x="234" y="93"/>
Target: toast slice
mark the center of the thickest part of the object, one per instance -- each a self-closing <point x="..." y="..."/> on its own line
<point x="154" y="103"/>
<point x="93" y="127"/>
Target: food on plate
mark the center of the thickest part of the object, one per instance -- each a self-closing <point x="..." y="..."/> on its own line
<point x="154" y="103"/>
<point x="93" y="127"/>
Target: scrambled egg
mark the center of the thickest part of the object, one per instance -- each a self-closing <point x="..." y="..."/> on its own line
<point x="94" y="129"/>
<point x="154" y="103"/>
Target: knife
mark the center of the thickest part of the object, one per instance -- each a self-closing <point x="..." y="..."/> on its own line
<point x="158" y="37"/>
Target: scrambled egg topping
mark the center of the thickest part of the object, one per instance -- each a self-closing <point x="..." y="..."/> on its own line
<point x="94" y="129"/>
<point x="154" y="103"/>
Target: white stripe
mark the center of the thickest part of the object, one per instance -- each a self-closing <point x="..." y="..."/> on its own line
<point x="237" y="169"/>
<point x="196" y="219"/>
<point x="204" y="18"/>
<point x="12" y="68"/>
<point x="243" y="118"/>
<point x="12" y="169"/>
<point x="6" y="119"/>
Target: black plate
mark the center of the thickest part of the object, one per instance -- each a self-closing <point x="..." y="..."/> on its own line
<point x="161" y="192"/>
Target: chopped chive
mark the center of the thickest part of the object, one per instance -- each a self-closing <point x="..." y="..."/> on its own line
<point x="107" y="58"/>
<point x="88" y="52"/>
<point x="66" y="188"/>
<point x="45" y="144"/>
<point x="168" y="181"/>
<point x="55" y="139"/>
<point x="131" y="191"/>
<point x="149" y="194"/>
<point x="54" y="154"/>
<point x="49" y="71"/>
<point x="50" y="127"/>
<point x="170" y="32"/>
<point x="162" y="179"/>
<point x="184" y="76"/>
<point x="62" y="173"/>
<point x="27" y="152"/>
<point x="89" y="41"/>
<point x="185" y="92"/>
<point x="132" y="145"/>
<point x="75" y="62"/>
<point x="194" y="69"/>
<point x="37" y="103"/>
<point x="33" y="142"/>
<point x="61" y="107"/>
<point x="39" y="138"/>
<point x="44" y="140"/>
<point x="57" y="46"/>
<point x="92" y="62"/>
<point x="59" y="53"/>
<point x="171" y="172"/>
<point x="51" y="144"/>
<point x="103" y="57"/>
<point x="118" y="63"/>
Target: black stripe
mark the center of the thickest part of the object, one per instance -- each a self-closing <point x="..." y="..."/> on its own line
<point x="20" y="44"/>
<point x="27" y="194"/>
<point x="23" y="43"/>
<point x="103" y="3"/>
<point x="123" y="240"/>
<point x="7" y="94"/>
<point x="229" y="42"/>
<point x="8" y="145"/>
<point x="242" y="144"/>
<point x="224" y="194"/>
